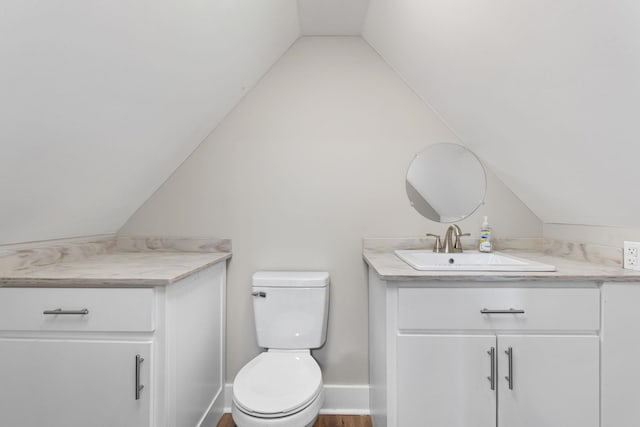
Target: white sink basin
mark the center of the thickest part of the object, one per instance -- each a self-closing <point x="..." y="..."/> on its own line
<point x="427" y="260"/>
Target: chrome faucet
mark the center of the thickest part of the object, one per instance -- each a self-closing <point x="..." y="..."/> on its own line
<point x="449" y="244"/>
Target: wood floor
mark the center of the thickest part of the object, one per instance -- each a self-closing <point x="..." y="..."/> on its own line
<point x="323" y="421"/>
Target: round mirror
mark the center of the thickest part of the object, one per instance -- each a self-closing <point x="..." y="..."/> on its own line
<point x="446" y="182"/>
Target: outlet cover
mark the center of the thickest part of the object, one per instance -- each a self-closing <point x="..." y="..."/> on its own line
<point x="631" y="255"/>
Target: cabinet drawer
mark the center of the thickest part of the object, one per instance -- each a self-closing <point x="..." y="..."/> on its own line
<point x="116" y="310"/>
<point x="460" y="309"/>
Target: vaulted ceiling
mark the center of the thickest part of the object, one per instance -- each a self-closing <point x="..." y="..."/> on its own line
<point x="101" y="101"/>
<point x="546" y="92"/>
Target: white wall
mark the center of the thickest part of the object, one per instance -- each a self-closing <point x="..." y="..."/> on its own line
<point x="101" y="100"/>
<point x="332" y="17"/>
<point x="312" y="160"/>
<point x="599" y="235"/>
<point x="545" y="91"/>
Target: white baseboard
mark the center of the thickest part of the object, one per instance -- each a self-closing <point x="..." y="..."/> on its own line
<point x="215" y="410"/>
<point x="338" y="399"/>
<point x="346" y="400"/>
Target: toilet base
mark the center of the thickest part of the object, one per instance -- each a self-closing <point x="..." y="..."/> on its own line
<point x="304" y="418"/>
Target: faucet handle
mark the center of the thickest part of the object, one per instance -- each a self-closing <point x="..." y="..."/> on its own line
<point x="458" y="244"/>
<point x="437" y="246"/>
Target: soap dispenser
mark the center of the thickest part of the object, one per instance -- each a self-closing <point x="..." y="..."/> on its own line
<point x="485" y="237"/>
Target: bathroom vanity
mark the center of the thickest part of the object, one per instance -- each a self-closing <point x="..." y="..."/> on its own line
<point x="118" y="339"/>
<point x="514" y="349"/>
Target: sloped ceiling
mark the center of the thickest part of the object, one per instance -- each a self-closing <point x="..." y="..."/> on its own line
<point x="101" y="100"/>
<point x="545" y="91"/>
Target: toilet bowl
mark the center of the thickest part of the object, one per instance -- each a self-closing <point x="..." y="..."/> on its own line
<point x="282" y="387"/>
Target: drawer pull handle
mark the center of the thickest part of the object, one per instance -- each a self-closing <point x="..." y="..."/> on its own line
<point x="509" y="311"/>
<point x="509" y="353"/>
<point x="139" y="387"/>
<point x="61" y="311"/>
<point x="492" y="377"/>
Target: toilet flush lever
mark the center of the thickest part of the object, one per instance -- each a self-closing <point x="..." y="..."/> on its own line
<point x="259" y="294"/>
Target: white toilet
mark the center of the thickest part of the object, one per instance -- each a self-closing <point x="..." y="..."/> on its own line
<point x="282" y="387"/>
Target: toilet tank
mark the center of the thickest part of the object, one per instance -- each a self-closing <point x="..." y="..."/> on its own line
<point x="291" y="308"/>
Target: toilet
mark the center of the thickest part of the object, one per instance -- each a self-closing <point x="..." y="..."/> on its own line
<point x="282" y="386"/>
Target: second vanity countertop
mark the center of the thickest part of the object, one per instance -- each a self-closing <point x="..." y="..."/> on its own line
<point x="391" y="268"/>
<point x="110" y="262"/>
<point x="120" y="269"/>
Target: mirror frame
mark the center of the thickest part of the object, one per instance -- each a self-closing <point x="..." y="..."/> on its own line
<point x="436" y="168"/>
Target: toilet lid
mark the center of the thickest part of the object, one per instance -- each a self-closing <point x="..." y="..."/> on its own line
<point x="277" y="383"/>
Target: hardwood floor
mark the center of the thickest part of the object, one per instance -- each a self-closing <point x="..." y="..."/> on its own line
<point x="323" y="421"/>
<point x="343" y="421"/>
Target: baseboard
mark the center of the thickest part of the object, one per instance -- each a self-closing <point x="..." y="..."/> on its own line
<point x="215" y="410"/>
<point x="346" y="400"/>
<point x="338" y="399"/>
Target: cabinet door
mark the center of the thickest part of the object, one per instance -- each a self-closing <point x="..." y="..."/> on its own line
<point x="554" y="381"/>
<point x="65" y="383"/>
<point x="620" y="355"/>
<point x="443" y="381"/>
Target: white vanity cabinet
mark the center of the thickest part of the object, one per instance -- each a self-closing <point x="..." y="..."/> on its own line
<point x="63" y="382"/>
<point x="114" y="357"/>
<point x="438" y="360"/>
<point x="445" y="380"/>
<point x="621" y="354"/>
<point x="439" y="383"/>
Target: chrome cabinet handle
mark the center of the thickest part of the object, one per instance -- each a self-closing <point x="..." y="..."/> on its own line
<point x="492" y="377"/>
<point x="509" y="311"/>
<point x="509" y="353"/>
<point x="61" y="311"/>
<point x="139" y="387"/>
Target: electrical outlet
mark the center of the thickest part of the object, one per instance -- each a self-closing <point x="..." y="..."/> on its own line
<point x="631" y="258"/>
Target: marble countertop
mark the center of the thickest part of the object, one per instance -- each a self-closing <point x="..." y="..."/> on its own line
<point x="120" y="269"/>
<point x="109" y="262"/>
<point x="390" y="267"/>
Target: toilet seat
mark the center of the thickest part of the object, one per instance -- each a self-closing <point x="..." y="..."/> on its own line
<point x="277" y="383"/>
